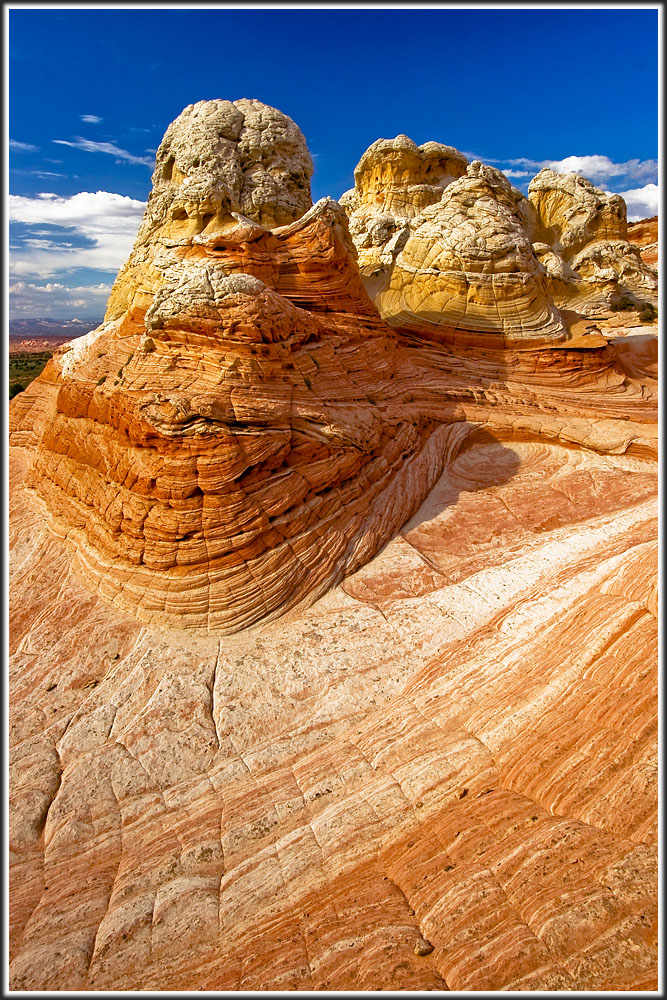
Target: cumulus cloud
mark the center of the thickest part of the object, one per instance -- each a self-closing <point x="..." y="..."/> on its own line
<point x="105" y="147"/>
<point x="108" y="222"/>
<point x="56" y="300"/>
<point x="92" y="119"/>
<point x="22" y="147"/>
<point x="596" y="167"/>
<point x="642" y="203"/>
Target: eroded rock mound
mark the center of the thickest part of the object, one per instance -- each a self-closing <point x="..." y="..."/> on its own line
<point x="451" y="250"/>
<point x="571" y="212"/>
<point x="464" y="263"/>
<point x="452" y="259"/>
<point x="218" y="460"/>
<point x="217" y="160"/>
<point x="580" y="235"/>
<point x="400" y="178"/>
<point x="441" y="776"/>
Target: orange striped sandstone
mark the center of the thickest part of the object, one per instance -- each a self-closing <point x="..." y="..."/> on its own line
<point x="455" y="744"/>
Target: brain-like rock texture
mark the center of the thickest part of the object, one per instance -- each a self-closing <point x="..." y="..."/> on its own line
<point x="333" y="642"/>
<point x="217" y="160"/>
<point x="451" y="250"/>
<point x="580" y="235"/>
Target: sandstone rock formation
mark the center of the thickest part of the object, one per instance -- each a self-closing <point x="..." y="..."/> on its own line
<point x="451" y="250"/>
<point x="457" y="745"/>
<point x="440" y="774"/>
<point x="580" y="235"/>
<point x="571" y="212"/>
<point x="449" y="256"/>
<point x="399" y="178"/>
<point x="217" y="160"/>
<point x="645" y="235"/>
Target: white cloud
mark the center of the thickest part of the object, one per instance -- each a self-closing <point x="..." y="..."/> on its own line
<point x="22" y="147"/>
<point x="56" y="299"/>
<point x="642" y="203"/>
<point x="600" y="168"/>
<point x="93" y="119"/>
<point x="517" y="173"/>
<point x="105" y="147"/>
<point x="110" y="220"/>
<point x="596" y="167"/>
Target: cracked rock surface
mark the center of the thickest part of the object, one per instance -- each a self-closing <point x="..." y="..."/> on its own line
<point x="333" y="642"/>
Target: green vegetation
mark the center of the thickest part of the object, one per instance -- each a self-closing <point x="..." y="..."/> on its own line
<point x="648" y="313"/>
<point x="23" y="368"/>
<point x="620" y="305"/>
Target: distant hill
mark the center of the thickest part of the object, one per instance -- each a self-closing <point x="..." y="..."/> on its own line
<point x="66" y="329"/>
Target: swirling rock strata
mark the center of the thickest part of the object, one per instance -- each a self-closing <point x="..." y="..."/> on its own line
<point x="252" y="432"/>
<point x="458" y="746"/>
<point x="441" y="775"/>
<point x="581" y="236"/>
<point x="452" y="261"/>
<point x="224" y="462"/>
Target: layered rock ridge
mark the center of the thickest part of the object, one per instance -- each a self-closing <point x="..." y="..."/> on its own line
<point x="244" y="430"/>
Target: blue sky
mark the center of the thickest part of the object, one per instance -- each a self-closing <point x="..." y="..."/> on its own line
<point x="91" y="92"/>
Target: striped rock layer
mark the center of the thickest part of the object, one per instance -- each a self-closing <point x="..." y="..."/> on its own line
<point x="333" y="644"/>
<point x="227" y="454"/>
<point x="457" y="746"/>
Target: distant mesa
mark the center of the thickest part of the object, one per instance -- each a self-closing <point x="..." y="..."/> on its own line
<point x="276" y="385"/>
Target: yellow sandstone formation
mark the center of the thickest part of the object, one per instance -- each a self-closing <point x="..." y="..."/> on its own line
<point x="452" y="251"/>
<point x="452" y="260"/>
<point x="580" y="235"/>
<point x="333" y="639"/>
